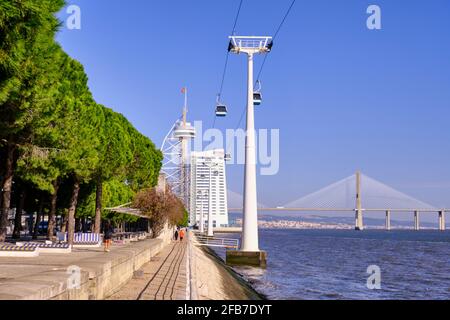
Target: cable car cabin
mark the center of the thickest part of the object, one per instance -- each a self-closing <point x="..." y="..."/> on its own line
<point x="221" y="111"/>
<point x="257" y="98"/>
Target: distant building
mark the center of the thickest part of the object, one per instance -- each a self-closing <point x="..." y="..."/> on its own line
<point x="206" y="165"/>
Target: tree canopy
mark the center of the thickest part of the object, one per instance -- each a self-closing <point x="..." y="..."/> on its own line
<point x="54" y="137"/>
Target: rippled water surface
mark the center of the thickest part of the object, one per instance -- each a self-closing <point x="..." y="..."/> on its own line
<point x="332" y="264"/>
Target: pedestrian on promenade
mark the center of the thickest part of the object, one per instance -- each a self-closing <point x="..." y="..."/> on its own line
<point x="182" y="233"/>
<point x="175" y="236"/>
<point x="107" y="240"/>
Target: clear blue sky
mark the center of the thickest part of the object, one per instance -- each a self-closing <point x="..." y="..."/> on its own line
<point x="343" y="97"/>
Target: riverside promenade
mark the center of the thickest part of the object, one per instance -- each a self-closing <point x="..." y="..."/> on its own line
<point x="186" y="271"/>
<point x="83" y="274"/>
<point x="152" y="269"/>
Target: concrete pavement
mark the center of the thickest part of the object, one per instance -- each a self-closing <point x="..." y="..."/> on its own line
<point x="163" y="278"/>
<point x="50" y="276"/>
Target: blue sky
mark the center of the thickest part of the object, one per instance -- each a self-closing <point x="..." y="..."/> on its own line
<point x="343" y="97"/>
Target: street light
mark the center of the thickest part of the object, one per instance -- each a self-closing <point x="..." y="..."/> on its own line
<point x="200" y="196"/>
<point x="250" y="46"/>
<point x="210" y="165"/>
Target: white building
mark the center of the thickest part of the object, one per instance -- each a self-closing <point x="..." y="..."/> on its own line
<point x="206" y="165"/>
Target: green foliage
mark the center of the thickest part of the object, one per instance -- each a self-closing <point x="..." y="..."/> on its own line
<point x="23" y="24"/>
<point x="26" y="43"/>
<point x="185" y="221"/>
<point x="146" y="163"/>
<point x="115" y="146"/>
<point x="115" y="193"/>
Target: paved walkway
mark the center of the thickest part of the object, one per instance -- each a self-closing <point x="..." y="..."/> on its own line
<point x="163" y="278"/>
<point x="47" y="276"/>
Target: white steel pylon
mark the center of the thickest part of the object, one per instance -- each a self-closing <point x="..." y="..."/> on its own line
<point x="176" y="164"/>
<point x="250" y="46"/>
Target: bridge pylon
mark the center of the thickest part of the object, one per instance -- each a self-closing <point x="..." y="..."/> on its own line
<point x="359" y="224"/>
<point x="442" y="220"/>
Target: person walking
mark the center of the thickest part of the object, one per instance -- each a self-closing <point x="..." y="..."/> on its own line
<point x="175" y="236"/>
<point x="107" y="239"/>
<point x="182" y="234"/>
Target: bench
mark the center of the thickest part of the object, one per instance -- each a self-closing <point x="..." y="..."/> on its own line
<point x="142" y="235"/>
<point x="82" y="240"/>
<point x="128" y="237"/>
<point x="87" y="240"/>
<point x="47" y="247"/>
<point x="8" y="250"/>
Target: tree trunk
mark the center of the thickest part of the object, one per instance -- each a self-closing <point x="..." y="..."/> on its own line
<point x="78" y="224"/>
<point x="39" y="215"/>
<point x="85" y="225"/>
<point x="7" y="187"/>
<point x="52" y="213"/>
<point x="64" y="221"/>
<point x="72" y="209"/>
<point x="98" y="206"/>
<point x="19" y="211"/>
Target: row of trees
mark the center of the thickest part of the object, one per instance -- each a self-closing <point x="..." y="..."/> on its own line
<point x="59" y="149"/>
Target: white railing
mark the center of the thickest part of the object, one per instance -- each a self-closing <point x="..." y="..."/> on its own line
<point x="250" y="42"/>
<point x="217" y="242"/>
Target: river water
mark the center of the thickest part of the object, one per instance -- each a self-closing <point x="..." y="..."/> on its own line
<point x="332" y="264"/>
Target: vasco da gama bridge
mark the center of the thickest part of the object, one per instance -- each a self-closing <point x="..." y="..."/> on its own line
<point x="360" y="193"/>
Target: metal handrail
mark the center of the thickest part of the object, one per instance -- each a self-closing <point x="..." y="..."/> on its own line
<point x="217" y="242"/>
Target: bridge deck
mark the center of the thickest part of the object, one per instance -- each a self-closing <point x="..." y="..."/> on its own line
<point x="342" y="210"/>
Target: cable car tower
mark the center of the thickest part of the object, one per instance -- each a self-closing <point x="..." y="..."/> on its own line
<point x="175" y="148"/>
<point x="250" y="46"/>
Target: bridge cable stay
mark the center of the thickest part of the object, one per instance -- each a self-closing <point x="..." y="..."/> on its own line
<point x="235" y="200"/>
<point x="340" y="194"/>
<point x="374" y="194"/>
<point x="258" y="78"/>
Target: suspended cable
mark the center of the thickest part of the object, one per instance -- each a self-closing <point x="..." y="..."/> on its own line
<point x="228" y="53"/>
<point x="258" y="78"/>
<point x="275" y="36"/>
<point x="225" y="68"/>
<point x="242" y="117"/>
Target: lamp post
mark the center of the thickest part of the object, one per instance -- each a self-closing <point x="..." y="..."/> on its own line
<point x="200" y="196"/>
<point x="212" y="163"/>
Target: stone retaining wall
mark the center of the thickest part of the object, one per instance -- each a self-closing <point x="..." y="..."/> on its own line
<point x="102" y="276"/>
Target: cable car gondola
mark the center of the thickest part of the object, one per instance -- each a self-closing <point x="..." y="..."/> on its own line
<point x="221" y="110"/>
<point x="257" y="96"/>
